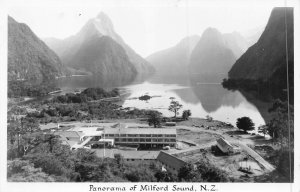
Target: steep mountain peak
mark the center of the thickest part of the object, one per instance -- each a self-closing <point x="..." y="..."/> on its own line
<point x="211" y="58"/>
<point x="213" y="36"/>
<point x="95" y="28"/>
<point x="28" y="57"/>
<point x="100" y="25"/>
<point x="266" y="60"/>
<point x="103" y="24"/>
<point x="211" y="31"/>
<point x="10" y="19"/>
<point x="103" y="16"/>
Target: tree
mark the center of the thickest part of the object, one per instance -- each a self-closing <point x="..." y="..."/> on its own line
<point x="245" y="123"/>
<point x="175" y="106"/>
<point x="186" y="114"/>
<point x="164" y="176"/>
<point x="187" y="173"/>
<point x="133" y="176"/>
<point x="15" y="129"/>
<point x="52" y="141"/>
<point x="285" y="164"/>
<point x="211" y="173"/>
<point x="13" y="126"/>
<point x="119" y="159"/>
<point x="281" y="126"/>
<point x="145" y="98"/>
<point x="263" y="129"/>
<point x="154" y="118"/>
<point x="30" y="124"/>
<point x="24" y="171"/>
<point x="209" y="118"/>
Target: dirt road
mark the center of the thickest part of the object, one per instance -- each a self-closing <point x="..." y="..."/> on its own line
<point x="256" y="156"/>
<point x="239" y="142"/>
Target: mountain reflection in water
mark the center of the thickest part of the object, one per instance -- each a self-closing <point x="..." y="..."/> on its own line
<point x="200" y="97"/>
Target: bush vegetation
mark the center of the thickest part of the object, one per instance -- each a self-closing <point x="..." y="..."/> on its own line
<point x="24" y="88"/>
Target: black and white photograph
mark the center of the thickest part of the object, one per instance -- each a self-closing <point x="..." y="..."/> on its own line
<point x="156" y="92"/>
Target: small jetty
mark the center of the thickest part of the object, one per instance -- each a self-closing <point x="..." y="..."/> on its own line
<point x="54" y="92"/>
<point x="112" y="99"/>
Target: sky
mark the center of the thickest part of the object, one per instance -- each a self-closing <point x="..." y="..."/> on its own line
<point x="146" y="26"/>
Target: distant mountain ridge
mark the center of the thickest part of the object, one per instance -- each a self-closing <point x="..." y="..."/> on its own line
<point x="211" y="57"/>
<point x="29" y="58"/>
<point x="97" y="27"/>
<point x="236" y="43"/>
<point x="174" y="60"/>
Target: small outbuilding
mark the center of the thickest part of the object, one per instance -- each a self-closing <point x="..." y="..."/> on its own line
<point x="225" y="146"/>
<point x="170" y="162"/>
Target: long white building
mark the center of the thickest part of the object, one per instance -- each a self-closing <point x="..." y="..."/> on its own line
<point x="148" y="137"/>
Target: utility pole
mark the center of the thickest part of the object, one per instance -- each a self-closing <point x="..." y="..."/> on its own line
<point x="104" y="143"/>
<point x="19" y="134"/>
<point x="18" y="143"/>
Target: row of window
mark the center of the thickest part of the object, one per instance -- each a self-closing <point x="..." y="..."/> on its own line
<point x="140" y="135"/>
<point x="143" y="140"/>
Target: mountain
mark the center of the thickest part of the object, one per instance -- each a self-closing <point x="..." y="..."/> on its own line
<point x="236" y="42"/>
<point x="29" y="58"/>
<point x="211" y="58"/>
<point x="266" y="60"/>
<point x="97" y="27"/>
<point x="174" y="61"/>
<point x="104" y="57"/>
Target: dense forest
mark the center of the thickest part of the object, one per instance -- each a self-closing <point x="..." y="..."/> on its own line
<point x="16" y="89"/>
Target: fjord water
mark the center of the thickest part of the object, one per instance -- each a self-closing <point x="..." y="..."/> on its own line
<point x="200" y="97"/>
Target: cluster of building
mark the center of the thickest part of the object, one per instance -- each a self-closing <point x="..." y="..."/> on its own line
<point x="123" y="140"/>
<point x="118" y="135"/>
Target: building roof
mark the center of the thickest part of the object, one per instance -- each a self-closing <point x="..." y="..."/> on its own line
<point x="119" y="125"/>
<point x="68" y="133"/>
<point x="224" y="143"/>
<point x="138" y="155"/>
<point x="170" y="160"/>
<point x="140" y="131"/>
<point x="69" y="142"/>
<point x="88" y="131"/>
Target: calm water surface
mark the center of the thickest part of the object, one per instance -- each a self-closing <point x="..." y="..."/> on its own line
<point x="200" y="97"/>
